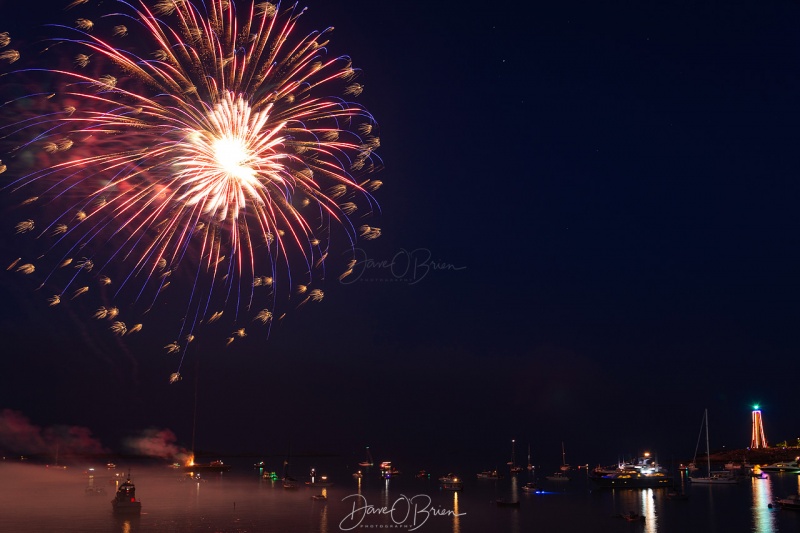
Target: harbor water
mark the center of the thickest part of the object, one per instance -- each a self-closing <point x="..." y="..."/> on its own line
<point x="34" y="498"/>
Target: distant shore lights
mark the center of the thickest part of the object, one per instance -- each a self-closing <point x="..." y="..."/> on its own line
<point x="758" y="439"/>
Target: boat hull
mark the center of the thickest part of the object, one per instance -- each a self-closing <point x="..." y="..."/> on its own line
<point x="792" y="504"/>
<point x="641" y="482"/>
<point x="714" y="481"/>
<point x="781" y="469"/>
<point x="126" y="507"/>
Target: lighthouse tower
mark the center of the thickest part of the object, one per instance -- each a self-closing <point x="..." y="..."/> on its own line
<point x="758" y="439"/>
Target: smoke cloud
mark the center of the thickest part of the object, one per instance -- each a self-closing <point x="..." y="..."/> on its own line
<point x="19" y="435"/>
<point x="157" y="443"/>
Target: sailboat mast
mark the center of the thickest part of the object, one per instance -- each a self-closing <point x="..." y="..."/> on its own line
<point x="708" y="448"/>
<point x="194" y="415"/>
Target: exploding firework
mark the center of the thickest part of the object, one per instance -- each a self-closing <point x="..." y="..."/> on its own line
<point x="189" y="150"/>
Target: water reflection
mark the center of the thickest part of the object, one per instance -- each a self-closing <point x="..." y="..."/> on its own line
<point x="763" y="519"/>
<point x="649" y="510"/>
<point x="456" y="518"/>
<point x="323" y="517"/>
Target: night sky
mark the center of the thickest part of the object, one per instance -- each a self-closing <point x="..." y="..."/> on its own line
<point x="601" y="203"/>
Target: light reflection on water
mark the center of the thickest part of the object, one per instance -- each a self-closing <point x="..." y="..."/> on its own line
<point x="456" y="518"/>
<point x="649" y="510"/>
<point x="763" y="517"/>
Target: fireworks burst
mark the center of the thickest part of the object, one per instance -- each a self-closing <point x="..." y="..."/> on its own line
<point x="194" y="147"/>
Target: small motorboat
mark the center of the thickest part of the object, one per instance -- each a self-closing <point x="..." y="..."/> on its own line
<point x="792" y="503"/>
<point x="125" y="501"/>
<point x="529" y="487"/>
<point x="632" y="516"/>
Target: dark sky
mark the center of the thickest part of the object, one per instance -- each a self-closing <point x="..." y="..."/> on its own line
<point x="602" y="204"/>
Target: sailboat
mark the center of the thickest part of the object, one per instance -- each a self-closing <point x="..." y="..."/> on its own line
<point x="513" y="463"/>
<point x="368" y="462"/>
<point x="564" y="466"/>
<point x="713" y="478"/>
<point x="288" y="481"/>
<point x="530" y="466"/>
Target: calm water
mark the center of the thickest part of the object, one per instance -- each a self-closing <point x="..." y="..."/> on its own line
<point x="36" y="499"/>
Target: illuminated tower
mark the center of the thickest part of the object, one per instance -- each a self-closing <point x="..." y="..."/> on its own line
<point x="759" y="439"/>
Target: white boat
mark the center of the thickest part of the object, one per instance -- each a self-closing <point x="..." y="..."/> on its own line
<point x="529" y="487"/>
<point x="643" y="473"/>
<point x="489" y="474"/>
<point x="713" y="478"/>
<point x="558" y="476"/>
<point x="789" y="467"/>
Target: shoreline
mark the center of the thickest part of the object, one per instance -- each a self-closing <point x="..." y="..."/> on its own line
<point x="759" y="456"/>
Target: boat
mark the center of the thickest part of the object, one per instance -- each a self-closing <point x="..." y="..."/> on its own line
<point x="792" y="503"/>
<point x="319" y="497"/>
<point x="213" y="466"/>
<point x="564" y="466"/>
<point x="757" y="473"/>
<point x="643" y="473"/>
<point x="423" y="474"/>
<point x="713" y="478"/>
<point x="489" y="474"/>
<point x="530" y="487"/>
<point x="321" y="481"/>
<point x="530" y="466"/>
<point x="387" y="470"/>
<point x="449" y="477"/>
<point x="358" y="475"/>
<point x="558" y="476"/>
<point x="125" y="501"/>
<point x="513" y="462"/>
<point x="288" y="481"/>
<point x="368" y="461"/>
<point x="788" y="467"/>
<point x="452" y="482"/>
<point x="632" y="516"/>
